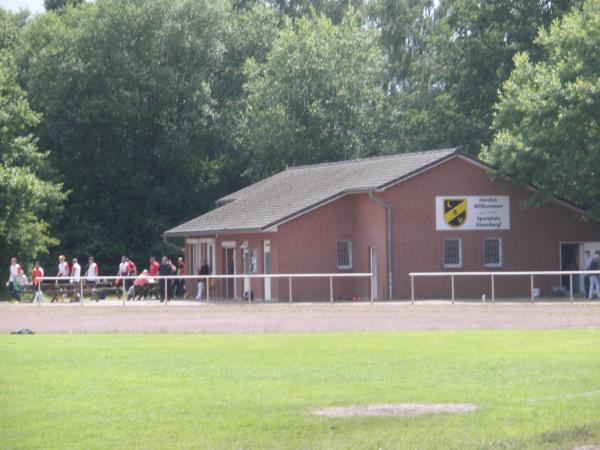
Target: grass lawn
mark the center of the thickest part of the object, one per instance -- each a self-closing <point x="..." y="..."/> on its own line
<point x="535" y="389"/>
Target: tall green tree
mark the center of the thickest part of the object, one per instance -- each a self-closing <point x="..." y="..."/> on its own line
<point x="136" y="96"/>
<point x="319" y="96"/>
<point x="29" y="202"/>
<point x="333" y="9"/>
<point x="59" y="6"/>
<point x="547" y="123"/>
<point x="475" y="46"/>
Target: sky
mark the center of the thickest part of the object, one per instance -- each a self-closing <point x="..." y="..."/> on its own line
<point x="34" y="6"/>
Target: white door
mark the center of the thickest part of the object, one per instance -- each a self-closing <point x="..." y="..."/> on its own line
<point x="267" y="267"/>
<point x="374" y="287"/>
<point x="246" y="257"/>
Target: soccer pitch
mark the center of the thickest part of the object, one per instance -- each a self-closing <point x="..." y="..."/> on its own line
<point x="533" y="389"/>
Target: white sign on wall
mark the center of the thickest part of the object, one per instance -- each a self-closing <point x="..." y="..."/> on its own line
<point x="460" y="212"/>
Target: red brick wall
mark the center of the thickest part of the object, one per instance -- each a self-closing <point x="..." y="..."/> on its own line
<point x="308" y="243"/>
<point x="532" y="243"/>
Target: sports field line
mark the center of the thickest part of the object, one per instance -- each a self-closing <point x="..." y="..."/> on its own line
<point x="561" y="397"/>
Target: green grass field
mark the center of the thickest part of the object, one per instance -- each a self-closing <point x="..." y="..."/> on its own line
<point x="535" y="389"/>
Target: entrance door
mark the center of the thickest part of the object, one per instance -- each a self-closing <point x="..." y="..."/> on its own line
<point x="374" y="279"/>
<point x="569" y="260"/>
<point x="246" y="264"/>
<point x="229" y="269"/>
<point x="592" y="247"/>
<point x="250" y="258"/>
<point x="267" y="267"/>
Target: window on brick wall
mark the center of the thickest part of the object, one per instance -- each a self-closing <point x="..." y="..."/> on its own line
<point x="344" y="254"/>
<point x="492" y="252"/>
<point x="452" y="253"/>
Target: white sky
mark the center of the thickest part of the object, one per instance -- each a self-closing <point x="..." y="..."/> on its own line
<point x="34" y="6"/>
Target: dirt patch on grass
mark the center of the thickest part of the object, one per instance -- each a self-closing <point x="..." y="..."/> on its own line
<point x="395" y="410"/>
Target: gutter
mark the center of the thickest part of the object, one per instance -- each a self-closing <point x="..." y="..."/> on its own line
<point x="388" y="210"/>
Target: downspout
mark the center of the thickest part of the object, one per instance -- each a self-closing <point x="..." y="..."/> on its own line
<point x="173" y="246"/>
<point x="388" y="211"/>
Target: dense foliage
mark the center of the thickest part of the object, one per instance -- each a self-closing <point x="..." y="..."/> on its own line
<point x="548" y="120"/>
<point x="150" y="110"/>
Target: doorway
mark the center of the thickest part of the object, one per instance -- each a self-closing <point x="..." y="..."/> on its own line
<point x="374" y="278"/>
<point x="229" y="269"/>
<point x="267" y="268"/>
<point x="569" y="260"/>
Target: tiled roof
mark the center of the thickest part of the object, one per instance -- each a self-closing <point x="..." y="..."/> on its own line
<point x="275" y="199"/>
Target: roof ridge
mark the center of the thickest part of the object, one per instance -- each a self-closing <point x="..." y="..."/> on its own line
<point x="372" y="158"/>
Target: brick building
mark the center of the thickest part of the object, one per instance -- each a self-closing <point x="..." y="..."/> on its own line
<point x="418" y="212"/>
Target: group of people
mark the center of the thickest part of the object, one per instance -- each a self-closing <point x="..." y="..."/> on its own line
<point x="136" y="288"/>
<point x="17" y="280"/>
<point x="592" y="281"/>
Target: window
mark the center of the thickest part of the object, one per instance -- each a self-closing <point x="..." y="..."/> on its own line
<point x="344" y="254"/>
<point x="452" y="253"/>
<point x="492" y="252"/>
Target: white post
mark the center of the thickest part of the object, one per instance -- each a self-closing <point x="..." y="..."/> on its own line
<point x="493" y="289"/>
<point x="290" y="283"/>
<point x="330" y="289"/>
<point x="39" y="299"/>
<point x="123" y="287"/>
<point x="571" y="288"/>
<point x="371" y="284"/>
<point x="166" y="291"/>
<point x="207" y="290"/>
<point x="412" y="289"/>
<point x="531" y="283"/>
<point x="81" y="291"/>
<point x="452" y="280"/>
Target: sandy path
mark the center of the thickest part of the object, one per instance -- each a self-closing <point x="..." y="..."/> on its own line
<point x="283" y="318"/>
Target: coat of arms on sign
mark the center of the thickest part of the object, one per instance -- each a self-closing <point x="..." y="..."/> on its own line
<point x="455" y="211"/>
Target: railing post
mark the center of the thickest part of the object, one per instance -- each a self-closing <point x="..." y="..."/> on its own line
<point x="207" y="290"/>
<point x="571" y="287"/>
<point x="166" y="291"/>
<point x="493" y="289"/>
<point x="40" y="296"/>
<point x="124" y="290"/>
<point x="290" y="286"/>
<point x="330" y="289"/>
<point x="531" y="283"/>
<point x="81" y="291"/>
<point x="452" y="282"/>
<point x="372" y="287"/>
<point x="412" y="289"/>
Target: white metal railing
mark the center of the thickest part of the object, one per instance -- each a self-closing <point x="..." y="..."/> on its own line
<point x="82" y="281"/>
<point x="492" y="275"/>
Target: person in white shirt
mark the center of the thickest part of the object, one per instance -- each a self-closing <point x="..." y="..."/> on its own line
<point x="75" y="271"/>
<point x="91" y="272"/>
<point x="63" y="272"/>
<point x="13" y="276"/>
<point x="15" y="268"/>
<point x="63" y="267"/>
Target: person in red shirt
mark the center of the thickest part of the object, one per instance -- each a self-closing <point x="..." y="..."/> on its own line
<point x="36" y="276"/>
<point x="154" y="265"/>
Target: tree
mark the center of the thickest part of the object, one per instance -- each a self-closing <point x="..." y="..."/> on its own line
<point x="547" y="122"/>
<point x="475" y="45"/>
<point x="332" y="9"/>
<point x="319" y="96"/>
<point x="29" y="202"/>
<point x="136" y="97"/>
<point x="59" y="6"/>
